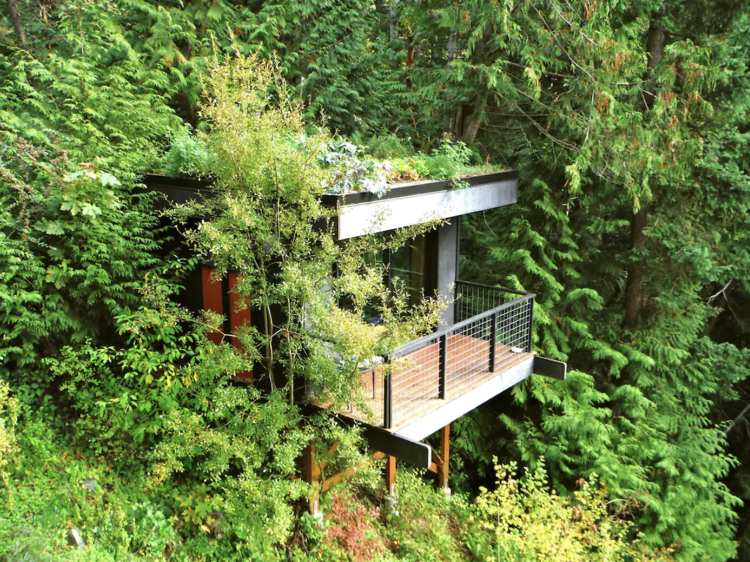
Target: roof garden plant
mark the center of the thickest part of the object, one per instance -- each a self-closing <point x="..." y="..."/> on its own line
<point x="357" y="164"/>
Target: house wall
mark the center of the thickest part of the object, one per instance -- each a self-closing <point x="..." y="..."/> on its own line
<point x="219" y="297"/>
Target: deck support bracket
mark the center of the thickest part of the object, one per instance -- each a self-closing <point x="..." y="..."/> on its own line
<point x="403" y="448"/>
<point x="550" y="368"/>
<point x="437" y="461"/>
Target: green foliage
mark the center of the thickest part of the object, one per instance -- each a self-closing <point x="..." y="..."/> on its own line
<point x="187" y="155"/>
<point x="73" y="241"/>
<point x="636" y="409"/>
<point x="104" y="91"/>
<point x="449" y="160"/>
<point x="355" y="171"/>
<point x="47" y="491"/>
<point x="424" y="524"/>
<point x="420" y="525"/>
<point x="8" y="445"/>
<point x="195" y="456"/>
<point x="82" y="85"/>
<point x="352" y="171"/>
<point x="522" y="519"/>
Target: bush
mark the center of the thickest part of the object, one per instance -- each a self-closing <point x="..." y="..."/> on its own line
<point x="423" y="526"/>
<point x="352" y="528"/>
<point x="523" y="520"/>
<point x="8" y="446"/>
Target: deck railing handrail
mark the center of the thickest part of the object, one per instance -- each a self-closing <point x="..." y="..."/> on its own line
<point x="492" y="287"/>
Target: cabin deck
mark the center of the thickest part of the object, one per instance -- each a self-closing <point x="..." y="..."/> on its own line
<point x="416" y="379"/>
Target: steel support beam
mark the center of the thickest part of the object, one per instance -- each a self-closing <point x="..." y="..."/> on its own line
<point x="550" y="368"/>
<point x="403" y="448"/>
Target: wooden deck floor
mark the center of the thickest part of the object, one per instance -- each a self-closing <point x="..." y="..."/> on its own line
<point x="416" y="379"/>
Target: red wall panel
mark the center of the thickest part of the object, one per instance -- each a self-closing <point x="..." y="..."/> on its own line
<point x="238" y="319"/>
<point x="212" y="298"/>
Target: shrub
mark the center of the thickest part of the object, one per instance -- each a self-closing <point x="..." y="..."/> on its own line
<point x="352" y="528"/>
<point x="8" y="446"/>
<point x="423" y="527"/>
<point x="523" y="520"/>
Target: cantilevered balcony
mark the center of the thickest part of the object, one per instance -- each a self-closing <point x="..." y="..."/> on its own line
<point x="438" y="378"/>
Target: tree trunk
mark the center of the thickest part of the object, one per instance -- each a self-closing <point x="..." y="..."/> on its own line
<point x="633" y="297"/>
<point x="474" y="121"/>
<point x="410" y="56"/>
<point x="458" y="122"/>
<point x="655" y="52"/>
<point x="13" y="7"/>
<point x="392" y="21"/>
<point x="451" y="47"/>
<point x="448" y="121"/>
<point x="636" y="273"/>
<point x="711" y="326"/>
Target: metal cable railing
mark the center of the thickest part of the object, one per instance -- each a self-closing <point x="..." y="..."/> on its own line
<point x="475" y="298"/>
<point x="491" y="333"/>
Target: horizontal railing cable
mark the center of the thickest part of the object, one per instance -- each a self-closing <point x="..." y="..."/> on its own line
<point x="409" y="347"/>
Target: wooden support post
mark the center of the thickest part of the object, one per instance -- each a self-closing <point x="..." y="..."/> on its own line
<point x="312" y="477"/>
<point x="390" y="474"/>
<point x="445" y="433"/>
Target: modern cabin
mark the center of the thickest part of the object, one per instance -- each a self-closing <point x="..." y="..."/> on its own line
<point x="481" y="347"/>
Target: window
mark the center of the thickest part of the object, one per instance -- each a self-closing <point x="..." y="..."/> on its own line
<point x="409" y="264"/>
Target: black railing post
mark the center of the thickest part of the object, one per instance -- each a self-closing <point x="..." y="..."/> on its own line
<point x="530" y="344"/>
<point x="442" y="365"/>
<point x="493" y="341"/>
<point x="388" y="401"/>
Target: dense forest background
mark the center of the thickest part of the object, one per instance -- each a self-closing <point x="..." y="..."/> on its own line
<point x="629" y="123"/>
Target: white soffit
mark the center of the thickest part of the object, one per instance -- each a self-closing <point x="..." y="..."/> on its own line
<point x="451" y="411"/>
<point x="399" y="212"/>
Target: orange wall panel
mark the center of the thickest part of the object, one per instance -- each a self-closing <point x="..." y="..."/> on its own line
<point x="238" y="319"/>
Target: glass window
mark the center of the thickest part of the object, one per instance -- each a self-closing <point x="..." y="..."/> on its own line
<point x="408" y="263"/>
